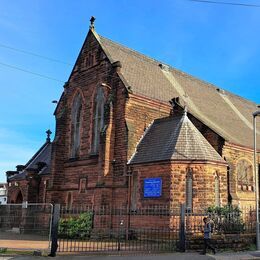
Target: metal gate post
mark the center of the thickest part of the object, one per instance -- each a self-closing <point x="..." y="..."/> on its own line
<point x="182" y="238"/>
<point x="54" y="230"/>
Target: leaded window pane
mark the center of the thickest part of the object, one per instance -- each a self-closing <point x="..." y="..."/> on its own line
<point x="98" y="119"/>
<point x="75" y="125"/>
<point x="189" y="188"/>
<point x="217" y="193"/>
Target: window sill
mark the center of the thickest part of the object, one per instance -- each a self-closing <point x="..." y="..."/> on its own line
<point x="73" y="159"/>
<point x="91" y="155"/>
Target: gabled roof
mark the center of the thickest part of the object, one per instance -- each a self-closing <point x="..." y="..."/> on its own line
<point x="174" y="138"/>
<point x="227" y="114"/>
<point x="42" y="156"/>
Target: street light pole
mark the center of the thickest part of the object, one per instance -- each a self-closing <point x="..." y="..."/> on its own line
<point x="255" y="114"/>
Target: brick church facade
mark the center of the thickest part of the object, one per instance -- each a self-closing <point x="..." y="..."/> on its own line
<point x="119" y="141"/>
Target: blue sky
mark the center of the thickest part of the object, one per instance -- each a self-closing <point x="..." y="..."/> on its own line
<point x="217" y="43"/>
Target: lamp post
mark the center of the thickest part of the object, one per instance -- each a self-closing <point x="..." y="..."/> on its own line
<point x="255" y="114"/>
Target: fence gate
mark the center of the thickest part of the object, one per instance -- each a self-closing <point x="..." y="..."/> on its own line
<point x="25" y="226"/>
<point x="85" y="229"/>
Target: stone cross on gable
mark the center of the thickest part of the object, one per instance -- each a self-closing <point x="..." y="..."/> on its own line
<point x="48" y="132"/>
<point x="92" y="21"/>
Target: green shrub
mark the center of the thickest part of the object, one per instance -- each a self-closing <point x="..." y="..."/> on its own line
<point x="3" y="250"/>
<point x="76" y="227"/>
<point x="226" y="219"/>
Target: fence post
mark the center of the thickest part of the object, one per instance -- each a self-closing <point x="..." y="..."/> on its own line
<point x="54" y="230"/>
<point x="182" y="237"/>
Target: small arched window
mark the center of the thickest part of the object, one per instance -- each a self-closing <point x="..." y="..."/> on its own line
<point x="189" y="189"/>
<point x="75" y="125"/>
<point x="217" y="193"/>
<point x="98" y="119"/>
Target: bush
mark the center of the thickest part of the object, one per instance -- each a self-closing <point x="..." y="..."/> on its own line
<point x="77" y="227"/>
<point x="3" y="250"/>
<point x="226" y="219"/>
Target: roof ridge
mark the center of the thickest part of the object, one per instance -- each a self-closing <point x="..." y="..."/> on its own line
<point x="203" y="139"/>
<point x="40" y="150"/>
<point x="139" y="142"/>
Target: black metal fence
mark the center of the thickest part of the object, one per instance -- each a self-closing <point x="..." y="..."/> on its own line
<point x="118" y="229"/>
<point x="224" y="220"/>
<point x="25" y="226"/>
<point x="96" y="229"/>
<point x="155" y="228"/>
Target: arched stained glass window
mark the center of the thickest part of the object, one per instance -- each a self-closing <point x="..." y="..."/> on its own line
<point x="98" y="119"/>
<point x="217" y="193"/>
<point x="75" y="126"/>
<point x="189" y="189"/>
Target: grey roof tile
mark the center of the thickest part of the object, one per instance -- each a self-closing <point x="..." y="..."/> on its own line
<point x="228" y="115"/>
<point x="174" y="138"/>
<point x="43" y="155"/>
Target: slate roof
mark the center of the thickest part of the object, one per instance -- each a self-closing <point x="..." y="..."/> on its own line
<point x="43" y="155"/>
<point x="227" y="114"/>
<point x="174" y="138"/>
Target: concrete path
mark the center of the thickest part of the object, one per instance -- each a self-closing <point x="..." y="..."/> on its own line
<point x="173" y="256"/>
<point x="177" y="256"/>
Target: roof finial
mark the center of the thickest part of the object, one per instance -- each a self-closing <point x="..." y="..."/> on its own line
<point x="48" y="132"/>
<point x="185" y="111"/>
<point x="92" y="21"/>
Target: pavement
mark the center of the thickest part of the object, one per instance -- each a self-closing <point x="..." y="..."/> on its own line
<point x="168" y="256"/>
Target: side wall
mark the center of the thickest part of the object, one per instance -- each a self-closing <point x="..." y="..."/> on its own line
<point x="173" y="177"/>
<point x="245" y="195"/>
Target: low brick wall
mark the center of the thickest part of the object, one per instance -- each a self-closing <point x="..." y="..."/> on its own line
<point x="237" y="242"/>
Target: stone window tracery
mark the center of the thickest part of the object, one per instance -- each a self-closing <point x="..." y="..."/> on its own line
<point x="217" y="192"/>
<point x="75" y="125"/>
<point x="189" y="189"/>
<point x="245" y="179"/>
<point x="98" y="119"/>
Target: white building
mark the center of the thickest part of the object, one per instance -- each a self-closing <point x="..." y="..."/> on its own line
<point x="3" y="193"/>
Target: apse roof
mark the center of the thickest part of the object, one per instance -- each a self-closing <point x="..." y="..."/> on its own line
<point x="174" y="138"/>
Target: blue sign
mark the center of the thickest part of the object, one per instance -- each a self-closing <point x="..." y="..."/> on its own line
<point x="152" y="187"/>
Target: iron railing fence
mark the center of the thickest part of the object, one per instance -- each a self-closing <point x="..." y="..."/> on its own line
<point x="227" y="220"/>
<point x="25" y="226"/>
<point x="121" y="240"/>
<point x="154" y="228"/>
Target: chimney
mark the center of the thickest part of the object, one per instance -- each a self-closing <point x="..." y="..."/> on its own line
<point x="117" y="65"/>
<point x="10" y="173"/>
<point x="20" y="167"/>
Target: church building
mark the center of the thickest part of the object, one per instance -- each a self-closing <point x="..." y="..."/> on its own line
<point x="133" y="132"/>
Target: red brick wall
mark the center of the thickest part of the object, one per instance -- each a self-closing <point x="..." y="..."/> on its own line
<point x="66" y="172"/>
<point x="174" y="183"/>
<point x="33" y="190"/>
<point x="232" y="155"/>
<point x="140" y="112"/>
